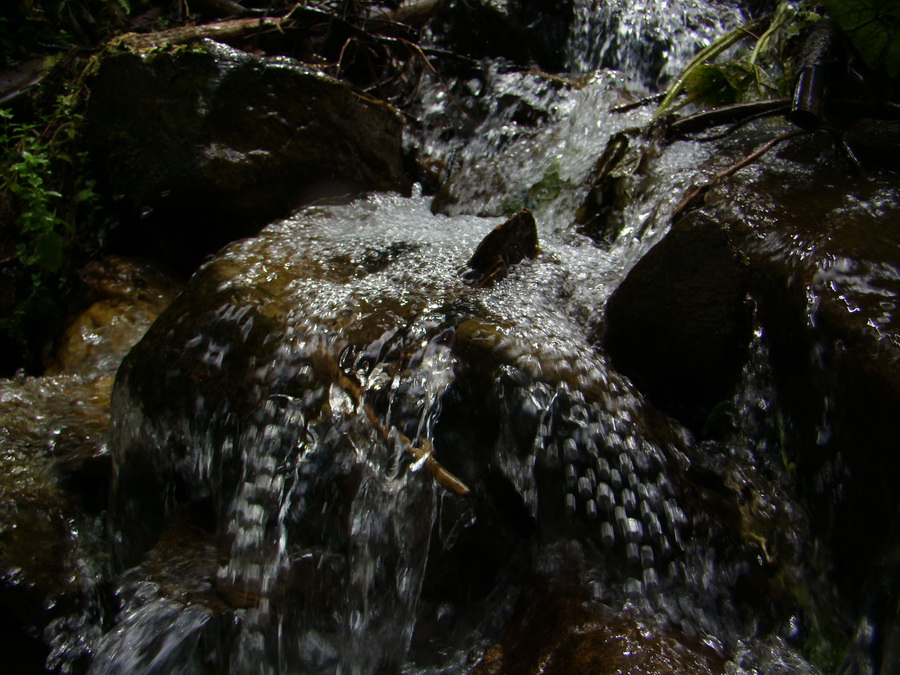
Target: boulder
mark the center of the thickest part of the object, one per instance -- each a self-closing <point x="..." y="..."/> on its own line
<point x="678" y="325"/>
<point x="825" y="276"/>
<point x="201" y="144"/>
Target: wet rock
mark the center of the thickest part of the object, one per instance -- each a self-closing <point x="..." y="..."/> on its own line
<point x="300" y="386"/>
<point x="874" y="143"/>
<point x="598" y="215"/>
<point x="825" y="267"/>
<point x="47" y="529"/>
<point x="678" y="325"/>
<point x="506" y="245"/>
<point x="564" y="634"/>
<point x="202" y="144"/>
<point x="56" y="470"/>
<point x="298" y="383"/>
<point x="126" y="296"/>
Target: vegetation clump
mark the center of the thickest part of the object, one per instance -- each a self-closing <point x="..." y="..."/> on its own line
<point x="49" y="212"/>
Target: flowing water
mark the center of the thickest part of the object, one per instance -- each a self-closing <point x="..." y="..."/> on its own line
<point x="294" y="438"/>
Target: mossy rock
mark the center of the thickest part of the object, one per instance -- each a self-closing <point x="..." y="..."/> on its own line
<point x="201" y="144"/>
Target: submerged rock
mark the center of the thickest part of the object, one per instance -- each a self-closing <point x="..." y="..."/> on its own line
<point x="559" y="634"/>
<point x="125" y="297"/>
<point x="204" y="144"/>
<point x="679" y="323"/>
<point x="823" y="250"/>
<point x="298" y="388"/>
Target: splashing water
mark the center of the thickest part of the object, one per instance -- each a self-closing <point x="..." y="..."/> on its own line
<point x="334" y="550"/>
<point x="277" y="506"/>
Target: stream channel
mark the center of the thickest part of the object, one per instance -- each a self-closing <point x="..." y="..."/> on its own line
<point x="333" y="453"/>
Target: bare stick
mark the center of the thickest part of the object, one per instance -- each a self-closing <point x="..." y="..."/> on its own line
<point x="698" y="192"/>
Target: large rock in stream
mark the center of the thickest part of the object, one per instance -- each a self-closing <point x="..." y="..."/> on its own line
<point x="679" y="324"/>
<point x="823" y="249"/>
<point x="302" y="408"/>
<point x="817" y="250"/>
<point x="201" y="144"/>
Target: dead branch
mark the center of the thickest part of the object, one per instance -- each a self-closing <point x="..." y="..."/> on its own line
<point x="420" y="450"/>
<point x="727" y="114"/>
<point x="698" y="192"/>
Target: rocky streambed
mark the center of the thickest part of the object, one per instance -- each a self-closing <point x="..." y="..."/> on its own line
<point x="371" y="436"/>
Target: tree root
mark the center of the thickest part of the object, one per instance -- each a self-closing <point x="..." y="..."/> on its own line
<point x="726" y="114"/>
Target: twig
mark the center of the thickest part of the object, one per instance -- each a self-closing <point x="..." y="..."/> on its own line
<point x="698" y="192"/>
<point x="417" y="49"/>
<point x="648" y="100"/>
<point x="725" y="114"/>
<point x="420" y="450"/>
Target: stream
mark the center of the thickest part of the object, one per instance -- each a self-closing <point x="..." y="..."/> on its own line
<point x="333" y="453"/>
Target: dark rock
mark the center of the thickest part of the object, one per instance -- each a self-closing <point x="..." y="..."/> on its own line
<point x="825" y="279"/>
<point x="875" y="143"/>
<point x="507" y="244"/>
<point x="45" y="525"/>
<point x="202" y="144"/>
<point x="126" y="296"/>
<point x="525" y="32"/>
<point x="480" y="29"/>
<point x="55" y="470"/>
<point x="598" y="215"/>
<point x="679" y="323"/>
<point x="560" y="633"/>
<point x="280" y="382"/>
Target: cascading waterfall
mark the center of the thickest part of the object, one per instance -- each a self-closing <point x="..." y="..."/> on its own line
<point x="650" y="41"/>
<point x="341" y="347"/>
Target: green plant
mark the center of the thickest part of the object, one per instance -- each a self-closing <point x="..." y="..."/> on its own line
<point x="759" y="72"/>
<point x="873" y="27"/>
<point x="50" y="210"/>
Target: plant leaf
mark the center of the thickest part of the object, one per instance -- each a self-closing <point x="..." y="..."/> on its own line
<point x="701" y="58"/>
<point x="873" y="27"/>
<point x="49" y="251"/>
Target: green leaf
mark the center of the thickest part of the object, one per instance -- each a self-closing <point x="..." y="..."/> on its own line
<point x="49" y="251"/>
<point x="873" y="27"/>
<point x="700" y="59"/>
<point x="710" y="85"/>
